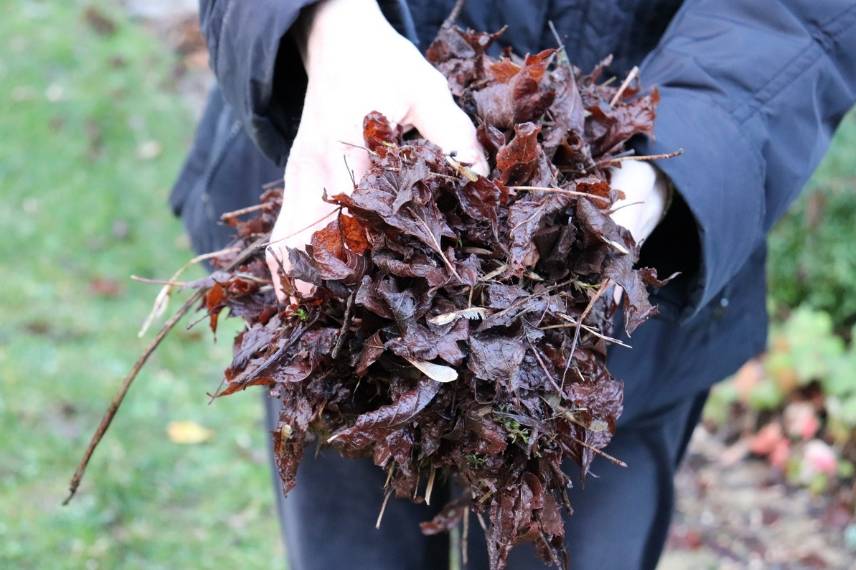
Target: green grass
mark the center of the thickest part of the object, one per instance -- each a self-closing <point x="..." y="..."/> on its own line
<point x="80" y="203"/>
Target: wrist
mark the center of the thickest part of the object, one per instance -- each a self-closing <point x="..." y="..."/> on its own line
<point x="333" y="24"/>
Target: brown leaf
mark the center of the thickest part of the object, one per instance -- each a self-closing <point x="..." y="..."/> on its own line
<point x="369" y="427"/>
<point x="353" y="234"/>
<point x="525" y="218"/>
<point x="378" y="133"/>
<point x="495" y="358"/>
<point x="331" y="259"/>
<point x="288" y="443"/>
<point x="447" y="519"/>
<point x="517" y="161"/>
<point x="214" y="303"/>
<point x="420" y="247"/>
<point x="480" y="200"/>
<point x="371" y="351"/>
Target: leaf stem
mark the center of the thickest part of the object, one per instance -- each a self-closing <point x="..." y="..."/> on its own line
<point x="624" y="85"/>
<point x="560" y="191"/>
<point x="644" y="157"/>
<point x="597" y="295"/>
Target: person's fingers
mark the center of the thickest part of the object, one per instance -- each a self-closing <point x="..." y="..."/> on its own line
<point x="336" y="169"/>
<point x="301" y="208"/>
<point x="644" y="198"/>
<point x="349" y="161"/>
<point x="441" y="121"/>
<point x="617" y="293"/>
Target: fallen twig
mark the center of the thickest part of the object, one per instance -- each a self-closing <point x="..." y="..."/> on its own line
<point x="119" y="397"/>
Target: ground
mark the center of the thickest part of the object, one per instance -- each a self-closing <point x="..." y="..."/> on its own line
<point x="92" y="133"/>
<point x="735" y="512"/>
<point x="97" y="101"/>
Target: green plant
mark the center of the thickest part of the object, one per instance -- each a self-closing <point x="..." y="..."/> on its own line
<point x="812" y="260"/>
<point x="476" y="460"/>
<point x="801" y="401"/>
<point x="805" y="349"/>
<point x="514" y="430"/>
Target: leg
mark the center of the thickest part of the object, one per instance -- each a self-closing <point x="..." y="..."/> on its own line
<point x="328" y="520"/>
<point x="621" y="516"/>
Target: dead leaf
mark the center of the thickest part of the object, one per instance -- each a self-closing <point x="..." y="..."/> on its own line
<point x="188" y="432"/>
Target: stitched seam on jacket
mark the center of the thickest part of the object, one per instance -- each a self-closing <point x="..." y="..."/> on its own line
<point x="826" y="37"/>
<point x="214" y="27"/>
<point x="224" y="21"/>
<point x="756" y="154"/>
<point x="757" y="162"/>
<point x="818" y="35"/>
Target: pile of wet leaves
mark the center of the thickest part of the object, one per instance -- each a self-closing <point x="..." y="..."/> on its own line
<point x="458" y="325"/>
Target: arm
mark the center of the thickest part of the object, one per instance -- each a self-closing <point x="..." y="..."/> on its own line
<point x="752" y="92"/>
<point x="357" y="63"/>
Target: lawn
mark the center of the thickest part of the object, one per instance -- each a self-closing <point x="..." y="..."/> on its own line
<point x="92" y="134"/>
<point x="91" y="137"/>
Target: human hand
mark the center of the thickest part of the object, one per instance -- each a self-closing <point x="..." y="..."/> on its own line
<point x="357" y="63"/>
<point x="646" y="196"/>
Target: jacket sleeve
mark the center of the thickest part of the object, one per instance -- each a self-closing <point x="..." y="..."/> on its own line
<point x="251" y="58"/>
<point x="752" y="91"/>
<point x="258" y="67"/>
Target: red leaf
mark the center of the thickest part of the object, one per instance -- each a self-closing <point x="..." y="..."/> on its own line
<point x="378" y="133"/>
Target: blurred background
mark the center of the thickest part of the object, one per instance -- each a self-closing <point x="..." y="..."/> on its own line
<point x="98" y="101"/>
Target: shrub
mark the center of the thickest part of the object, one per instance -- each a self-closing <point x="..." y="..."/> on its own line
<point x="812" y="259"/>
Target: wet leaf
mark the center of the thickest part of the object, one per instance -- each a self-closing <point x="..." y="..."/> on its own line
<point x="370" y="426"/>
<point x="459" y="324"/>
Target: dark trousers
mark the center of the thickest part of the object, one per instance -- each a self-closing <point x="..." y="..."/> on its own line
<point x="621" y="516"/>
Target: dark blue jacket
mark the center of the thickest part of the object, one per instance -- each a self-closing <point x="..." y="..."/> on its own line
<point x="751" y="89"/>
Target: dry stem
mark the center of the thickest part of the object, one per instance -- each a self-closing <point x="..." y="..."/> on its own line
<point x="382" y="508"/>
<point x="119" y="397"/>
<point x="242" y="211"/>
<point x="630" y="77"/>
<point x="559" y="191"/>
<point x="162" y="298"/>
<point x="600" y="452"/>
<point x="601" y="289"/>
<point x="453" y="15"/>
<point x="430" y="486"/>
<point x="644" y="157"/>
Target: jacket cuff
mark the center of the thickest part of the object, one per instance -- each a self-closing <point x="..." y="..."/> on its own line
<point x="720" y="178"/>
